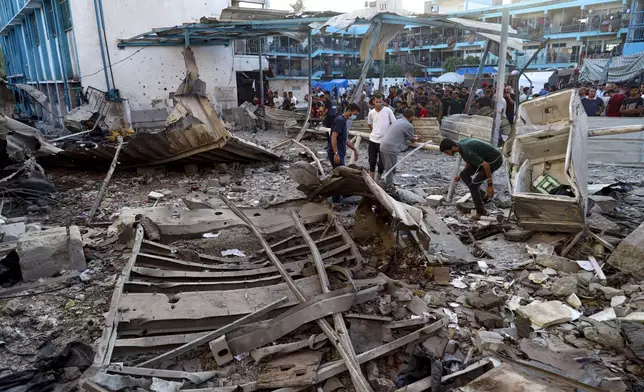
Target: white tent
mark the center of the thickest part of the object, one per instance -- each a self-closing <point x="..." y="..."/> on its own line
<point x="450" y="77"/>
<point x="538" y="79"/>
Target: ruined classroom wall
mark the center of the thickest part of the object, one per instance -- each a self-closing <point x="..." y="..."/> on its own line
<point x="299" y="87"/>
<point x="154" y="72"/>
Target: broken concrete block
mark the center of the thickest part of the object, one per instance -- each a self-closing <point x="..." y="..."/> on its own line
<point x="224" y="180"/>
<point x="46" y="253"/>
<point x="605" y="315"/>
<point x="537" y="277"/>
<point x="628" y="255"/>
<point x="383" y="385"/>
<point x="11" y="232"/>
<point x="488" y="341"/>
<point x="435" y="298"/>
<point x="417" y="306"/>
<point x="384" y="305"/>
<point x="76" y="252"/>
<point x="155" y="195"/>
<point x="558" y="263"/>
<point x="409" y="197"/>
<point x="610" y="292"/>
<point x="434" y="200"/>
<point x="13" y="308"/>
<point x="618" y="300"/>
<point x="565" y="286"/>
<point x="545" y="314"/>
<point x="484" y="301"/>
<point x="573" y="301"/>
<point x="403" y="294"/>
<point x="435" y="346"/>
<point x="488" y="320"/>
<point x="220" y="351"/>
<point x="605" y="335"/>
<point x="630" y="288"/>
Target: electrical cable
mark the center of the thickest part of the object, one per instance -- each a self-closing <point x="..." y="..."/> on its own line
<point x="118" y="62"/>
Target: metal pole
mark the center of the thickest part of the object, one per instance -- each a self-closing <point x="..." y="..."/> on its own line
<point x="500" y="80"/>
<point x="308" y="113"/>
<point x="470" y="98"/>
<point x="261" y="75"/>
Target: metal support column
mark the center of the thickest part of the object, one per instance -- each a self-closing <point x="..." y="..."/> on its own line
<point x="470" y="98"/>
<point x="310" y="106"/>
<point x="261" y="75"/>
<point x="500" y="80"/>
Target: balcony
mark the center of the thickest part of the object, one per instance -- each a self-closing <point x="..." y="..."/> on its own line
<point x="553" y="58"/>
<point x="636" y="31"/>
<point x="16" y="14"/>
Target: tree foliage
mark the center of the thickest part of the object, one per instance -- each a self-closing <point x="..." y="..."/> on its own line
<point x="452" y="63"/>
<point x="298" y="6"/>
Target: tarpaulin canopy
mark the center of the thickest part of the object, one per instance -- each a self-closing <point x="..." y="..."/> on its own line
<point x="536" y="80"/>
<point x="620" y="68"/>
<point x="474" y="70"/>
<point x="329" y="84"/>
<point x="450" y="77"/>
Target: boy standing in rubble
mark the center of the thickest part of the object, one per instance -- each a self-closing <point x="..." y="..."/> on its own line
<point x="339" y="140"/>
<point x="481" y="160"/>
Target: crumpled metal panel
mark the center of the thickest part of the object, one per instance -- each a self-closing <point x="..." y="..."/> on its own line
<point x="186" y="146"/>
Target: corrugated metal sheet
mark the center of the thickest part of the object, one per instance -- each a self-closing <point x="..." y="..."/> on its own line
<point x="191" y="145"/>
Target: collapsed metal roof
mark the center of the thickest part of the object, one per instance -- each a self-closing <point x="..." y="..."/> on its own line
<point x="239" y="23"/>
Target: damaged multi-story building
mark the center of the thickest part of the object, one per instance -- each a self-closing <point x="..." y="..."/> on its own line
<point x="68" y="50"/>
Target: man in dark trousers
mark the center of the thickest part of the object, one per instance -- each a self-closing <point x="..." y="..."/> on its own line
<point x="481" y="160"/>
<point x="339" y="140"/>
<point x="330" y="109"/>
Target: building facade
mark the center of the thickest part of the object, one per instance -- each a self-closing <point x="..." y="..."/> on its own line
<point x="62" y="47"/>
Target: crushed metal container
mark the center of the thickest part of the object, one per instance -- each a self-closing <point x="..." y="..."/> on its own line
<point x="552" y="140"/>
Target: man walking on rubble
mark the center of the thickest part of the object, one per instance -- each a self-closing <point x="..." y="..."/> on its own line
<point x="395" y="141"/>
<point x="481" y="160"/>
<point x="339" y="141"/>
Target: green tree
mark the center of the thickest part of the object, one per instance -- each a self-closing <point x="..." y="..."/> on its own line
<point x="393" y="70"/>
<point x="452" y="63"/>
<point x="353" y="72"/>
<point x="472" y="60"/>
<point x="298" y="6"/>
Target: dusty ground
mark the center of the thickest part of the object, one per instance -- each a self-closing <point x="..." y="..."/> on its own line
<point x="74" y="311"/>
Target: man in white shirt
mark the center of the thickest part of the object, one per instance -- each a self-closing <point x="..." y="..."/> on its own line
<point x="341" y="92"/>
<point x="292" y="99"/>
<point x="379" y="120"/>
<point x="277" y="100"/>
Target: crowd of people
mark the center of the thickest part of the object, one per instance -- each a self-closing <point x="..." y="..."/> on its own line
<point x="612" y="100"/>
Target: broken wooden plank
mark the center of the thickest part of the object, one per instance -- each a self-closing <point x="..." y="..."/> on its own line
<point x="598" y="269"/>
<point x="91" y="386"/>
<point x="422" y="320"/>
<point x="156" y="261"/>
<point x="108" y="177"/>
<point x="312" y="343"/>
<point x="215" y="334"/>
<point x="443" y="239"/>
<point x="105" y="347"/>
<point x="209" y="304"/>
<point x="372" y="317"/>
<point x="348" y="240"/>
<point x="425" y="384"/>
<point x="572" y="243"/>
<point x="314" y="309"/>
<point x="30" y="286"/>
<point x="359" y="382"/>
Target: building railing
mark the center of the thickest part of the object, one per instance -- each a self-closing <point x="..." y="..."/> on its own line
<point x="636" y="31"/>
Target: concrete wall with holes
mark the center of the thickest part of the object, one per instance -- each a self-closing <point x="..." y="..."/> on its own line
<point x="299" y="87"/>
<point x="151" y="73"/>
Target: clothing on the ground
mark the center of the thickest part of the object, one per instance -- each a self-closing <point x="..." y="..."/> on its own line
<point x="474" y="184"/>
<point x="374" y="154"/>
<point x="632" y="103"/>
<point x="434" y="109"/>
<point x="592" y="106"/>
<point x="456" y="106"/>
<point x="614" y="104"/>
<point x="389" y="160"/>
<point x="475" y="152"/>
<point x="380" y="122"/>
<point x="395" y="140"/>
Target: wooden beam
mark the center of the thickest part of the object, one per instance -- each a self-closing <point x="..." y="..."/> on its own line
<point x="108" y="177"/>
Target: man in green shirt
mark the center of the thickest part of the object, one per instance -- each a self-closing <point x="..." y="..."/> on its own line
<point x="481" y="160"/>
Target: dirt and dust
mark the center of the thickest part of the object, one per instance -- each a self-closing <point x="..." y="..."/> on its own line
<point x="48" y="317"/>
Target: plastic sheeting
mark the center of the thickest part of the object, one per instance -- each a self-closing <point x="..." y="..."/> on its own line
<point x="620" y="68"/>
<point x="328" y="85"/>
<point x="450" y="77"/>
<point x="474" y="70"/>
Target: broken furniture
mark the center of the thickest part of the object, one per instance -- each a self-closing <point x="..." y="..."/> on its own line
<point x="552" y="139"/>
<point x="460" y="126"/>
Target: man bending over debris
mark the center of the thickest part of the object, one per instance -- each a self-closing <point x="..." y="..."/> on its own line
<point x="481" y="160"/>
<point x="339" y="140"/>
<point x="395" y="141"/>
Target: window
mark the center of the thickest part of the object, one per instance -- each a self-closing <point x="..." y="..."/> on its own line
<point x="559" y="45"/>
<point x="65" y="16"/>
<point x="50" y="17"/>
<point x="531" y="47"/>
<point x="34" y="29"/>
